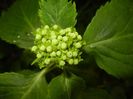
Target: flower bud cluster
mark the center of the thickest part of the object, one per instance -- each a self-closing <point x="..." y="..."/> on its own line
<point x="54" y="44"/>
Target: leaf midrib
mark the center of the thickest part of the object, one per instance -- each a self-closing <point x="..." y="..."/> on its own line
<point x="94" y="44"/>
<point x="35" y="81"/>
<point x="67" y="87"/>
<point x="27" y="19"/>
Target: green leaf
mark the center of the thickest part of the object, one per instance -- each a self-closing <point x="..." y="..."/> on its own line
<point x="63" y="87"/>
<point x="17" y="23"/>
<point x="19" y="86"/>
<point x="60" y="12"/>
<point x="109" y="38"/>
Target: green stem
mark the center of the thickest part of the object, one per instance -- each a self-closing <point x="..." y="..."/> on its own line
<point x="47" y="69"/>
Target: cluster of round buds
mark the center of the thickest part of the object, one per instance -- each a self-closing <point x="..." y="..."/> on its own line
<point x="57" y="45"/>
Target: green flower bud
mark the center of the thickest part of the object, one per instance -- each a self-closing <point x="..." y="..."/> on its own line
<point x="79" y="37"/>
<point x="59" y="38"/>
<point x="76" y="61"/>
<point x="46" y="27"/>
<point x="53" y="37"/>
<point x="62" y="32"/>
<point x="39" y="55"/>
<point x="34" y="48"/>
<point x="64" y="57"/>
<point x="38" y="37"/>
<point x="38" y="30"/>
<point x="42" y="48"/>
<point x="78" y="45"/>
<point x="62" y="63"/>
<point x="65" y="38"/>
<point x="55" y="27"/>
<point x="69" y="54"/>
<point x="72" y="35"/>
<point x="68" y="30"/>
<point x="44" y="40"/>
<point x="63" y="45"/>
<point x="49" y="49"/>
<point x="54" y="41"/>
<point x="53" y="54"/>
<point x="47" y="61"/>
<point x="44" y="32"/>
<point x="76" y="33"/>
<point x="58" y="53"/>
<point x="70" y="61"/>
<point x="75" y="54"/>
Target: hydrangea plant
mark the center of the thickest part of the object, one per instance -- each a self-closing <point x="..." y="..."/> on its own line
<point x="47" y="28"/>
<point x="56" y="45"/>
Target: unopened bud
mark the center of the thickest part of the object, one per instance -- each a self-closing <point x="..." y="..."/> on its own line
<point x="49" y="49"/>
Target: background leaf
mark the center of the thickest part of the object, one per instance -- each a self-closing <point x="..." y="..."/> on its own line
<point x="19" y="86"/>
<point x="60" y="12"/>
<point x="17" y="23"/>
<point x="63" y="87"/>
<point x="109" y="38"/>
